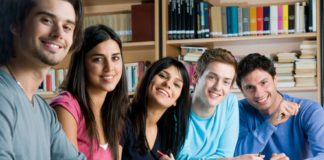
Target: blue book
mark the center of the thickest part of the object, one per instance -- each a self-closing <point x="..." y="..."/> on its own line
<point x="266" y="20"/>
<point x="234" y="14"/>
<point x="229" y="21"/>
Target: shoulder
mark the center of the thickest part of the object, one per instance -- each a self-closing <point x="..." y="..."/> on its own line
<point x="230" y="101"/>
<point x="305" y="104"/>
<point x="66" y="100"/>
<point x="307" y="107"/>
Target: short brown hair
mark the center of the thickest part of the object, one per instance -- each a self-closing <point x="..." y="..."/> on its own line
<point x="212" y="55"/>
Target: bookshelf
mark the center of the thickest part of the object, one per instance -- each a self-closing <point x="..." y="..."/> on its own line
<point x="243" y="45"/>
<point x="132" y="51"/>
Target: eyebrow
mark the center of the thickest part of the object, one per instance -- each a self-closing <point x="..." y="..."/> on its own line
<point x="54" y="16"/>
<point x="226" y="78"/>
<point x="170" y="74"/>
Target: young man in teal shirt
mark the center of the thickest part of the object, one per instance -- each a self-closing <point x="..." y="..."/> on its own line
<point x="214" y="117"/>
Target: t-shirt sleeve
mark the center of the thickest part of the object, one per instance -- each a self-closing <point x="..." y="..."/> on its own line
<point x="7" y="122"/>
<point x="68" y="102"/>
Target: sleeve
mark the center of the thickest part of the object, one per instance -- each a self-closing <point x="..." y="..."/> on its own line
<point x="61" y="147"/>
<point x="252" y="139"/>
<point x="69" y="103"/>
<point x="8" y="115"/>
<point x="313" y="122"/>
<point x="228" y="139"/>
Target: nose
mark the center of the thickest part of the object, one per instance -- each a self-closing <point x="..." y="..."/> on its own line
<point x="258" y="91"/>
<point x="167" y="84"/>
<point x="217" y="85"/>
<point x="108" y="65"/>
<point x="57" y="32"/>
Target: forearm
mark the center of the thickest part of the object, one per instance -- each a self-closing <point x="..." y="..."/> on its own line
<point x="254" y="141"/>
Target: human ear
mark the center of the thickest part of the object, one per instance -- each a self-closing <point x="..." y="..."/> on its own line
<point x="14" y="30"/>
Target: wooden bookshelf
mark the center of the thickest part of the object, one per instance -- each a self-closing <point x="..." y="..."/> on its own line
<point x="243" y="45"/>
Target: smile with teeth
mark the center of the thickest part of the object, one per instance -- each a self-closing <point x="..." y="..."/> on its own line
<point x="214" y="94"/>
<point x="52" y="45"/>
<point x="262" y="100"/>
<point x="162" y="91"/>
<point x="108" y="77"/>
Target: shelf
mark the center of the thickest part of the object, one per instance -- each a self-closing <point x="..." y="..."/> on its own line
<point x="138" y="44"/>
<point x="290" y="89"/>
<point x="241" y="39"/>
<point x="109" y="6"/>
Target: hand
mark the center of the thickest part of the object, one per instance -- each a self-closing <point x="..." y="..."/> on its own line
<point x="280" y="156"/>
<point x="165" y="156"/>
<point x="249" y="157"/>
<point x="284" y="111"/>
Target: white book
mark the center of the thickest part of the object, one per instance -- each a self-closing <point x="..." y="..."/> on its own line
<point x="302" y="17"/>
<point x="314" y="4"/>
<point x="297" y="17"/>
<point x="274" y="19"/>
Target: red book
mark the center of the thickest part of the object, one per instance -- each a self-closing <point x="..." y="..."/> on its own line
<point x="143" y="22"/>
<point x="260" y="20"/>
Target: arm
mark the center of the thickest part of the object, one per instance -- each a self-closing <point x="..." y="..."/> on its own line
<point x="252" y="138"/>
<point x="68" y="123"/>
<point x="313" y="125"/>
<point x="120" y="152"/>
<point x="7" y="123"/>
<point x="227" y="141"/>
<point x="61" y="147"/>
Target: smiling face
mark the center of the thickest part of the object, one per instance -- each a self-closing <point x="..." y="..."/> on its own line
<point x="259" y="87"/>
<point x="47" y="32"/>
<point x="214" y="84"/>
<point x="104" y="66"/>
<point x="165" y="87"/>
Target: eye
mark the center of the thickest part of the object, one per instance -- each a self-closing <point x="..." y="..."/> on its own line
<point x="210" y="77"/>
<point x="47" y="21"/>
<point x="163" y="75"/>
<point x="248" y="88"/>
<point x="68" y="28"/>
<point x="264" y="83"/>
<point x="226" y="83"/>
<point x="178" y="84"/>
<point x="97" y="59"/>
<point x="116" y="58"/>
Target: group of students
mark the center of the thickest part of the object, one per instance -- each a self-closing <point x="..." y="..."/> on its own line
<point x="92" y="119"/>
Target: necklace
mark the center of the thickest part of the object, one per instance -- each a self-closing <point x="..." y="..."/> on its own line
<point x="13" y="76"/>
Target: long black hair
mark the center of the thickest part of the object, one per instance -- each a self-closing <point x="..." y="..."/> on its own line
<point x="115" y="106"/>
<point x="173" y="123"/>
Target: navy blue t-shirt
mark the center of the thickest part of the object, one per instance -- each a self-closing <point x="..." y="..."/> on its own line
<point x="128" y="141"/>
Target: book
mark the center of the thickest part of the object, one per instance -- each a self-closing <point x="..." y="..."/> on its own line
<point x="143" y="27"/>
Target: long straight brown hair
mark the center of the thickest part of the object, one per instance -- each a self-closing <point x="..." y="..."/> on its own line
<point x="115" y="106"/>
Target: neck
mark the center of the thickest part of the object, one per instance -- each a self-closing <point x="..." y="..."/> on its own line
<point x="201" y="109"/>
<point x="27" y="76"/>
<point x="154" y="114"/>
<point x="275" y="105"/>
<point x="97" y="99"/>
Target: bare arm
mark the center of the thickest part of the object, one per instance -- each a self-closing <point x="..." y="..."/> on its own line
<point x="68" y="123"/>
<point x="120" y="152"/>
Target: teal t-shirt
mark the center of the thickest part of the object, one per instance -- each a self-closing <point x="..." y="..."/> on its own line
<point x="214" y="136"/>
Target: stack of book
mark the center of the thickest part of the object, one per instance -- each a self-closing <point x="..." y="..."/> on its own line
<point x="285" y="68"/>
<point x="305" y="72"/>
<point x="308" y="49"/>
<point x="134" y="73"/>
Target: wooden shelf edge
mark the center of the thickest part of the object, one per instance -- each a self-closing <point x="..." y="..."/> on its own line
<point x="288" y="89"/>
<point x="138" y="44"/>
<point x="241" y="38"/>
